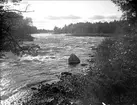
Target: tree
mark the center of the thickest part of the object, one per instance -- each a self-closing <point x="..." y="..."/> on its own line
<point x="57" y="30"/>
<point x="86" y="28"/>
<point x="13" y="27"/>
<point x="115" y="62"/>
<point x="129" y="9"/>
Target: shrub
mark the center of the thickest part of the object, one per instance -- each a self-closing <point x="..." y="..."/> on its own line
<point x="116" y="70"/>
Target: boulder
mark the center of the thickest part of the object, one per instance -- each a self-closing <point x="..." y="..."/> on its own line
<point x="84" y="64"/>
<point x="91" y="60"/>
<point x="66" y="73"/>
<point x="73" y="59"/>
<point x="31" y="49"/>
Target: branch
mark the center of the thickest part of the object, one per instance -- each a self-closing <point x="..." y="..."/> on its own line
<point x="27" y="7"/>
<point x="14" y="10"/>
<point x="13" y="39"/>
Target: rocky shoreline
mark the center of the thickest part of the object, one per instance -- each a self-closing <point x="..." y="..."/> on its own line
<point x="62" y="92"/>
<point x="66" y="91"/>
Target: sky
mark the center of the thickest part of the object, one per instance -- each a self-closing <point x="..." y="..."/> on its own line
<point x="48" y="13"/>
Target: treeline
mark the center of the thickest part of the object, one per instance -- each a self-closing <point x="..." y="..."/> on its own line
<point x="98" y="27"/>
<point x="24" y="30"/>
<point x="44" y="31"/>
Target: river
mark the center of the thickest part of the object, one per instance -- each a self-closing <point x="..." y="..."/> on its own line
<point x="19" y="72"/>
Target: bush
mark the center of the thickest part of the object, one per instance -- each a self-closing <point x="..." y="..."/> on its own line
<point x="116" y="70"/>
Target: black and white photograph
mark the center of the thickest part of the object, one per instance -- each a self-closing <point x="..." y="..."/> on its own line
<point x="68" y="52"/>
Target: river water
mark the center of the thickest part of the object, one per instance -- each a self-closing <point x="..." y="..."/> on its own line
<point x="52" y="59"/>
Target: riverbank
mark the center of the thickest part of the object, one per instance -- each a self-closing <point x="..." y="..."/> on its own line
<point x="52" y="59"/>
<point x="71" y="89"/>
<point x="59" y="90"/>
<point x="93" y="35"/>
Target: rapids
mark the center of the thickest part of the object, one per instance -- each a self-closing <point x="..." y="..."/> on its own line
<point x="17" y="73"/>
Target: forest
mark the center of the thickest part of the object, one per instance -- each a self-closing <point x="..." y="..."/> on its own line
<point x="113" y="27"/>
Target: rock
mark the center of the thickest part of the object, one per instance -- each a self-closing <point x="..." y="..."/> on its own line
<point x="34" y="88"/>
<point x="30" y="49"/>
<point x="91" y="60"/>
<point x="66" y="102"/>
<point x="73" y="59"/>
<point x="84" y="64"/>
<point x="26" y="47"/>
<point x="54" y="90"/>
<point x="92" y="56"/>
<point x="2" y="55"/>
<point x="94" y="48"/>
<point x="35" y="46"/>
<point x="66" y="74"/>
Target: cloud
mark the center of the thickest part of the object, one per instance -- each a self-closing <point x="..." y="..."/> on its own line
<point x="71" y="17"/>
<point x="97" y="17"/>
<point x="102" y="17"/>
<point x="53" y="17"/>
<point x="114" y="17"/>
<point x="62" y="17"/>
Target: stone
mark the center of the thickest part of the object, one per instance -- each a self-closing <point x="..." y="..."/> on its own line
<point x="73" y="59"/>
<point x="91" y="60"/>
<point x="94" y="48"/>
<point x="66" y="73"/>
<point x="31" y="49"/>
<point x="92" y="56"/>
<point x="66" y="102"/>
<point x="34" y="88"/>
<point x="84" y="64"/>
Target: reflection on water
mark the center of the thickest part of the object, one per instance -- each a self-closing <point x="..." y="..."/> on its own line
<point x="19" y="72"/>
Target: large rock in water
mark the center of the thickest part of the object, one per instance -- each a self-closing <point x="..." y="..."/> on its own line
<point x="73" y="59"/>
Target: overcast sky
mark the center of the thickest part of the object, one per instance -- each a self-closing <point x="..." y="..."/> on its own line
<point x="48" y="13"/>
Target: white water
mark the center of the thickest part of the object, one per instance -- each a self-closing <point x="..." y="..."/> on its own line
<point x="18" y="72"/>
